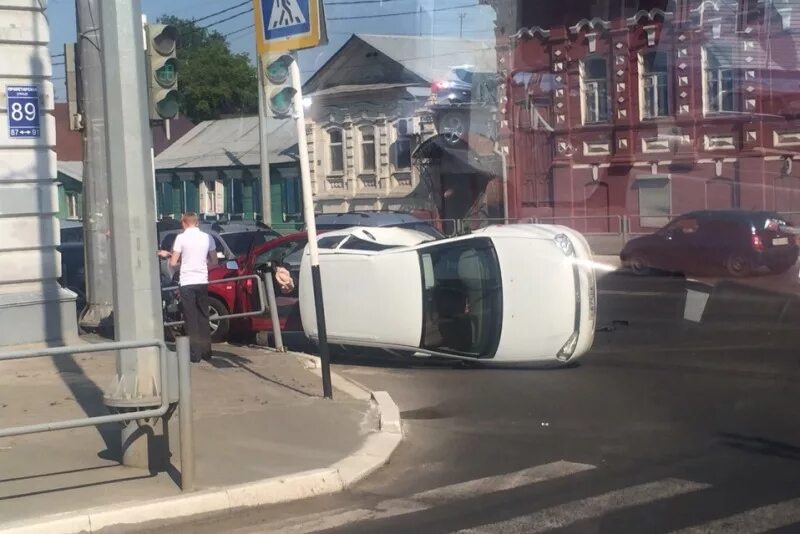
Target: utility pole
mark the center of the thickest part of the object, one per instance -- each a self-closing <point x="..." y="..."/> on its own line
<point x="137" y="310"/>
<point x="96" y="212"/>
<point x="461" y="17"/>
<point x="311" y="229"/>
<point x="266" y="184"/>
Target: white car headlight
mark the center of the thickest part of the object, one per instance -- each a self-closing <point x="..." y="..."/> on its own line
<point x="569" y="347"/>
<point x="564" y="244"/>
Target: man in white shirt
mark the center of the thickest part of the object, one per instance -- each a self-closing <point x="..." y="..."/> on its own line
<point x="194" y="250"/>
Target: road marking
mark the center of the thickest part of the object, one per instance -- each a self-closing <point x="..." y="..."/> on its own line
<point x="427" y="499"/>
<point x="752" y="521"/>
<point x="566" y="514"/>
<point x="484" y="486"/>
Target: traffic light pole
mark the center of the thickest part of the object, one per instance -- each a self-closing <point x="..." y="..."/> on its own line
<point x="311" y="228"/>
<point x="137" y="310"/>
<point x="266" y="183"/>
<point x="96" y="220"/>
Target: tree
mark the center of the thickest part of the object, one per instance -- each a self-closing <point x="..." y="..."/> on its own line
<point x="212" y="80"/>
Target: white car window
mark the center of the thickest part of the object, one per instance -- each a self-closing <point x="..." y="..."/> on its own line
<point x="462" y="299"/>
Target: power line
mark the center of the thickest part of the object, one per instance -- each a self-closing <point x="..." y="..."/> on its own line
<point x="361" y="17"/>
<point x="220" y="12"/>
<point x="56" y="64"/>
<point x="227" y="19"/>
<point x="234" y="32"/>
<point x="354" y="2"/>
<point x="402" y="60"/>
<point x="57" y="55"/>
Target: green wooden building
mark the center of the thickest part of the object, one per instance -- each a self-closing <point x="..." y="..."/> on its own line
<point x="214" y="171"/>
<point x="70" y="190"/>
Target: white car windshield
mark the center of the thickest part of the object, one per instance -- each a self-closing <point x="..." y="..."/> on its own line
<point x="462" y="298"/>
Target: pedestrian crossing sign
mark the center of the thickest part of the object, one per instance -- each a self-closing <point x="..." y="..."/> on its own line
<point x="285" y="25"/>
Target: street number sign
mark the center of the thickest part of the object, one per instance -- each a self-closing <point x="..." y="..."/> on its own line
<point x="286" y="25"/>
<point x="23" y="112"/>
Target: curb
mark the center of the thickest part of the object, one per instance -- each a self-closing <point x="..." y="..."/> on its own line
<point x="373" y="454"/>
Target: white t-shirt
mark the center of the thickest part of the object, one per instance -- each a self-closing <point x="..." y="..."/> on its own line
<point x="194" y="246"/>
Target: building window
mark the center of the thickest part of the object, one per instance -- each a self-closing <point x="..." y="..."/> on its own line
<point x="654" y="85"/>
<point x="402" y="146"/>
<point x="73" y="205"/>
<point x="655" y="200"/>
<point x="718" y="81"/>
<point x="235" y="197"/>
<point x="594" y="85"/>
<point x="368" y="149"/>
<point x="292" y="208"/>
<point x="211" y="197"/>
<point x="748" y="14"/>
<point x="337" y="151"/>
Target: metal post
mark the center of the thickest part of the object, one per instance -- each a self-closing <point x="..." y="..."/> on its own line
<point x="185" y="413"/>
<point x="266" y="194"/>
<point x="273" y="309"/>
<point x="311" y="228"/>
<point x="137" y="310"/>
<point x="96" y="220"/>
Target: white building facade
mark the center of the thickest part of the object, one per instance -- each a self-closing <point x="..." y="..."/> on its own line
<point x="33" y="307"/>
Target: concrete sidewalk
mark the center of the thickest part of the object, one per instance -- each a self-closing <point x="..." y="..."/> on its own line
<point x="259" y="416"/>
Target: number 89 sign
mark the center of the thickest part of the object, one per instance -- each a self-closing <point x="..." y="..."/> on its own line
<point x="23" y="112"/>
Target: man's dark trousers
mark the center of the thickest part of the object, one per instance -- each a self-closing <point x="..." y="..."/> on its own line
<point x="194" y="300"/>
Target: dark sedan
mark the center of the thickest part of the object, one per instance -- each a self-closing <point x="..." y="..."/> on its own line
<point x="734" y="242"/>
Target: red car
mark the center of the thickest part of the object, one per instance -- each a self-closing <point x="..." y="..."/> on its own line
<point x="242" y="296"/>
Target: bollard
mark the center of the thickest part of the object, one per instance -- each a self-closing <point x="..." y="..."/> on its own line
<point x="185" y="414"/>
<point x="273" y="308"/>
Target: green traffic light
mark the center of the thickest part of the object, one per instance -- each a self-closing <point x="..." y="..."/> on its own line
<point x="281" y="101"/>
<point x="167" y="74"/>
<point x="278" y="71"/>
<point x="167" y="107"/>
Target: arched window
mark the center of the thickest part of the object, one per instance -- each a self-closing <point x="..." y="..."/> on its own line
<point x="336" y="162"/>
<point x="719" y="80"/>
<point x="367" y="149"/>
<point x="594" y="87"/>
<point x="654" y="84"/>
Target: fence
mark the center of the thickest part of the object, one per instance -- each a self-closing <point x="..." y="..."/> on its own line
<point x="182" y="396"/>
<point x="606" y="234"/>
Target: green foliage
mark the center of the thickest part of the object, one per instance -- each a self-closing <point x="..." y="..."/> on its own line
<point x="212" y="80"/>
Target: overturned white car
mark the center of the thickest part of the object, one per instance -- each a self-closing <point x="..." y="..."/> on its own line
<point x="504" y="294"/>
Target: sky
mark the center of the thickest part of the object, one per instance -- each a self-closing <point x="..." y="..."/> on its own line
<point x="438" y="18"/>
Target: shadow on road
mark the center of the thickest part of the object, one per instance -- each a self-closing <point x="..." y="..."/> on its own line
<point x="228" y="360"/>
<point x="758" y="445"/>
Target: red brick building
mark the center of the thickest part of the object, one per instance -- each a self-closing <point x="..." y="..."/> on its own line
<point x="646" y="108"/>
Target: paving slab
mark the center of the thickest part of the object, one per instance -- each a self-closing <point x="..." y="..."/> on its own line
<point x="258" y="414"/>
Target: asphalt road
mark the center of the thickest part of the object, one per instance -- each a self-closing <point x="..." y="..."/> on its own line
<point x="667" y="425"/>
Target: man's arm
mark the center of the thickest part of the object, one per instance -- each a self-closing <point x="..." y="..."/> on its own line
<point x="177" y="248"/>
<point x="212" y="252"/>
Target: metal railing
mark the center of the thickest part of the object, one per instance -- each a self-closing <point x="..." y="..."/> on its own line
<point x="262" y="298"/>
<point x="184" y="397"/>
<point x="266" y="298"/>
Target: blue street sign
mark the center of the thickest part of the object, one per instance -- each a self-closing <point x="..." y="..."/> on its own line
<point x="286" y="25"/>
<point x="23" y="112"/>
<point x="285" y="18"/>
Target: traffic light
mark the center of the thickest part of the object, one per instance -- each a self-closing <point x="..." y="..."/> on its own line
<point x="162" y="66"/>
<point x="279" y="89"/>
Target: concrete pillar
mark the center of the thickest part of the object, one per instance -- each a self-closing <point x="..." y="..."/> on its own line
<point x="33" y="307"/>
